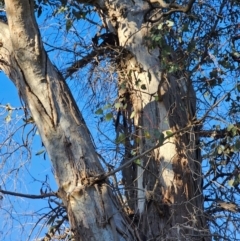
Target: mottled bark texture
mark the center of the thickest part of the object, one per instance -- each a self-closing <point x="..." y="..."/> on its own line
<point x="163" y="189"/>
<point x="93" y="212"/>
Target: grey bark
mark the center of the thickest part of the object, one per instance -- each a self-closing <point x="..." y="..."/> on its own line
<point x="93" y="212"/>
<point x="164" y="191"/>
<point x="168" y="202"/>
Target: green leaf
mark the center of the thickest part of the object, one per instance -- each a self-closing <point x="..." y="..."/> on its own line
<point x="225" y="63"/>
<point x="165" y="52"/>
<point x="191" y="46"/>
<point x="137" y="140"/>
<point x="118" y="105"/>
<point x="234" y="131"/>
<point x="173" y="68"/>
<point x="62" y="9"/>
<point x="147" y="135"/>
<point x="120" y="139"/>
<point x="185" y="27"/>
<point x="132" y="115"/>
<point x="68" y="24"/>
<point x="8" y="107"/>
<point x="220" y="149"/>
<point x="229" y="128"/>
<point x="133" y="152"/>
<point x="169" y="23"/>
<point x="99" y="111"/>
<point x="40" y="152"/>
<point x="237" y="145"/>
<point x="169" y="133"/>
<point x="8" y="118"/>
<point x="107" y="106"/>
<point x="161" y="139"/>
<point x="29" y="120"/>
<point x="156" y="133"/>
<point x="138" y="162"/>
<point x="157" y="37"/>
<point x="230" y="182"/>
<point x="108" y="116"/>
<point x="160" y="26"/>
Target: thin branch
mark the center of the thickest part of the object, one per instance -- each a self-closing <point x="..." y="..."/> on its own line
<point x="159" y="144"/>
<point x="214" y="105"/>
<point x="217" y="134"/>
<point x="197" y="122"/>
<point x="163" y="4"/>
<point x="104" y="176"/>
<point x="31" y="196"/>
<point x="94" y="55"/>
<point x="173" y="8"/>
<point x="81" y="63"/>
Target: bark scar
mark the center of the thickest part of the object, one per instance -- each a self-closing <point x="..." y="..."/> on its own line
<point x="49" y="92"/>
<point x="30" y="90"/>
<point x="108" y="209"/>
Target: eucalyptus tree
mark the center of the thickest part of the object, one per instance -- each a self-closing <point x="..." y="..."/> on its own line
<point x="169" y="63"/>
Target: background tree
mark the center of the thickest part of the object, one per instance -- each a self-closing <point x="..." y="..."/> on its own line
<point x="166" y="75"/>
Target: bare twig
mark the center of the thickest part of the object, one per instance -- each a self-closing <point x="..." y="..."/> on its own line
<point x="31" y="196"/>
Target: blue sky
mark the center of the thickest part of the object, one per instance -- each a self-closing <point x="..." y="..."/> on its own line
<point x="18" y="212"/>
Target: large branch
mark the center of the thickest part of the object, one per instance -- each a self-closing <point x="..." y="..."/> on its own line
<point x="92" y="57"/>
<point x="82" y="62"/>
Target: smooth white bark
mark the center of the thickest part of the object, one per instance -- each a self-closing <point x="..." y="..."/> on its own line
<point x="92" y="209"/>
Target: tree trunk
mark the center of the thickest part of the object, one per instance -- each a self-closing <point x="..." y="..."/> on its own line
<point x="93" y="212"/>
<point x="168" y="202"/>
